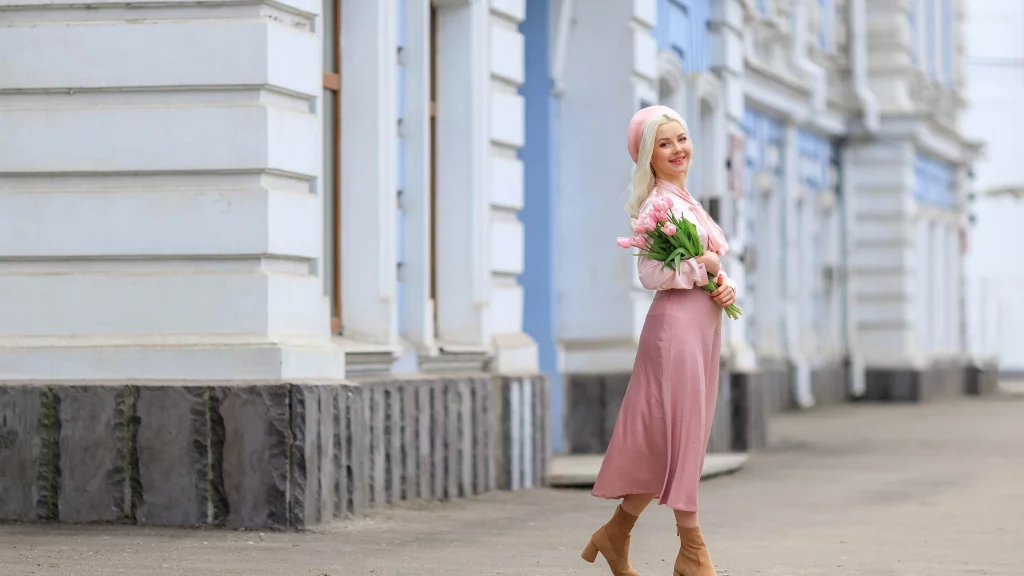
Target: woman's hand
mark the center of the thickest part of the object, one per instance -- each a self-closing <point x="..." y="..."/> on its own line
<point x="711" y="263"/>
<point x="724" y="296"/>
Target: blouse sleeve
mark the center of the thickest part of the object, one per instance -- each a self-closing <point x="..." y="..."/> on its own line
<point x="654" y="275"/>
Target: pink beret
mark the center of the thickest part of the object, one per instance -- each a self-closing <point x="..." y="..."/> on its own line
<point x="639" y="123"/>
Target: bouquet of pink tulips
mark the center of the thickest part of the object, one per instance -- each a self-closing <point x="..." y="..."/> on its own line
<point x="664" y="237"/>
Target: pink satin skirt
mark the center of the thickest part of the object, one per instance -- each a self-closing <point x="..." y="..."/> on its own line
<point x="662" y="430"/>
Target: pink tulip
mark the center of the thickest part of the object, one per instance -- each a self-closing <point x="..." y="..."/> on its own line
<point x="640" y="241"/>
<point x="624" y="242"/>
<point x="662" y="205"/>
<point x="639" y="227"/>
<point x="648" y="223"/>
<point x="669" y="229"/>
<point x="661" y="215"/>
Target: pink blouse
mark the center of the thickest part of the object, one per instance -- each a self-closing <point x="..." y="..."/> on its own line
<point x="654" y="275"/>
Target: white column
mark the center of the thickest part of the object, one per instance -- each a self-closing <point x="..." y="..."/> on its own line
<point x="774" y="265"/>
<point x="952" y="275"/>
<point x="727" y="47"/>
<point x="957" y="283"/>
<point x="159" y="210"/>
<point x="418" y="306"/>
<point x="882" y="284"/>
<point x="463" y="173"/>
<point x="937" y="286"/>
<point x="514" y="351"/>
<point x="923" y="287"/>
<point x="793" y="257"/>
<point x="602" y="304"/>
<point x="368" y="171"/>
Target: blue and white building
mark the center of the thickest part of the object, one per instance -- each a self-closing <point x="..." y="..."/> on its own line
<point x="836" y="167"/>
<point x="387" y="228"/>
<point x="993" y="276"/>
<point x="268" y="229"/>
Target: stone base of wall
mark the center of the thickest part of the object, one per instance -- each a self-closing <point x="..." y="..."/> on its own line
<point x="593" y="402"/>
<point x="751" y="406"/>
<point x="263" y="456"/>
<point x="592" y="405"/>
<point x="908" y="385"/>
<point x="830" y="384"/>
<point x="776" y="377"/>
<point x="981" y="380"/>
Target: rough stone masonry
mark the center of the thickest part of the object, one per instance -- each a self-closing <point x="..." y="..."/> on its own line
<point x="263" y="456"/>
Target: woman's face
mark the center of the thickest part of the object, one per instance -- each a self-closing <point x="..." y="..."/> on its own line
<point x="671" y="157"/>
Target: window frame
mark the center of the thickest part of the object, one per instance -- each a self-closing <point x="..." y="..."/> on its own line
<point x="332" y="82"/>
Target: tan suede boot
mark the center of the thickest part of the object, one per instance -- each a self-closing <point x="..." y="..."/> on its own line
<point x="693" y="558"/>
<point x="612" y="541"/>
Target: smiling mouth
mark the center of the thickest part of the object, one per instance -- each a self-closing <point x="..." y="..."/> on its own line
<point x="679" y="160"/>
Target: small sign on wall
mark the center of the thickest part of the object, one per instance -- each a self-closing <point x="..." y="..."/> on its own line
<point x="737" y="164"/>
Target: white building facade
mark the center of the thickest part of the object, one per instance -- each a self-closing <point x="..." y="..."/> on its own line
<point x="309" y="204"/>
<point x="827" y="144"/>
<point x="993" y="275"/>
<point x="344" y="253"/>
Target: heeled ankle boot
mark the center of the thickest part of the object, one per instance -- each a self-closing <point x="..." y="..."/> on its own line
<point x="612" y="541"/>
<point x="693" y="558"/>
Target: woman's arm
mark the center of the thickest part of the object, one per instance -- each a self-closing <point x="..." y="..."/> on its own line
<point x="654" y="275"/>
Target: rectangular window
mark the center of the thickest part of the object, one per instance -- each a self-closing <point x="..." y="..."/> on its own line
<point x="947" y="42"/>
<point x="913" y="23"/>
<point x="331" y="110"/>
<point x="679" y="33"/>
<point x="825" y="17"/>
<point x="929" y="38"/>
<point x="433" y="164"/>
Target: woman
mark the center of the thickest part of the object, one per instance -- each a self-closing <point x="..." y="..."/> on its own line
<point x="661" y="435"/>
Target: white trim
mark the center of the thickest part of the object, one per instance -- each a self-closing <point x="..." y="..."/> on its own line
<point x="417" y="307"/>
<point x="794" y="299"/>
<point x="819" y="94"/>
<point x="706" y="87"/>
<point x="765" y="91"/>
<point x="463" y="172"/>
<point x="603" y="358"/>
<point x="561" y="43"/>
<point x="368" y="172"/>
<point x="858" y="44"/>
<point x="670" y="70"/>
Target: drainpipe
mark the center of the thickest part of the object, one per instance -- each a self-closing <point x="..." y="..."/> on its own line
<point x="561" y="46"/>
<point x="803" y="62"/>
<point x="859" y="62"/>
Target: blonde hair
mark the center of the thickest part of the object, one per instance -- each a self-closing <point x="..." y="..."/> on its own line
<point x="643" y="173"/>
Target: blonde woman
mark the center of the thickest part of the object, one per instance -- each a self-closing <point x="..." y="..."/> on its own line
<point x="661" y="435"/>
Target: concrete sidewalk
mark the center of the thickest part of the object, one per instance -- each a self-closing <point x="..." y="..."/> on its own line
<point x="865" y="490"/>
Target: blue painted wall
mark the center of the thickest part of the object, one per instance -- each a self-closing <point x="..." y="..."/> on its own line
<point x="923" y="28"/>
<point x="683" y="29"/>
<point x="934" y="182"/>
<point x="761" y="130"/>
<point x="826" y="10"/>
<point x="539" y="214"/>
<point x="816" y="156"/>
